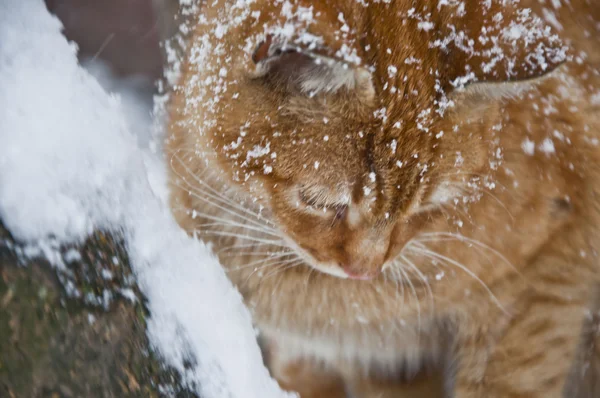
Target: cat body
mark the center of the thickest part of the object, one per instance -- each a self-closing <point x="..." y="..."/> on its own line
<point x="395" y="185"/>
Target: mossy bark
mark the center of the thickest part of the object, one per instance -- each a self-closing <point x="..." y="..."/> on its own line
<point x="87" y="340"/>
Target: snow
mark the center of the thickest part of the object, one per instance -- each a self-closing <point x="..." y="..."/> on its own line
<point x="426" y="26"/>
<point x="528" y="146"/>
<point x="74" y="158"/>
<point x="547" y="146"/>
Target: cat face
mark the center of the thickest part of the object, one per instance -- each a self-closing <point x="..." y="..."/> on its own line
<point x="318" y="156"/>
<point x="351" y="161"/>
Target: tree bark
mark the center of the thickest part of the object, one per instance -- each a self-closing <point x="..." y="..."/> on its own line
<point x="86" y="340"/>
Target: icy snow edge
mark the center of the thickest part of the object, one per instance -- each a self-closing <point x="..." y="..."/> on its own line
<point x="69" y="165"/>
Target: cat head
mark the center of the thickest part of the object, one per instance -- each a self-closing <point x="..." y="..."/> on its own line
<point x="351" y="159"/>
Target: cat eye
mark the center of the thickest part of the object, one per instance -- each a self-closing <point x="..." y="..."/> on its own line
<point x="340" y="212"/>
<point x="310" y="200"/>
<point x="323" y="205"/>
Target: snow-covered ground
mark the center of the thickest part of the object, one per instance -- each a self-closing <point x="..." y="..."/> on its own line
<point x="74" y="158"/>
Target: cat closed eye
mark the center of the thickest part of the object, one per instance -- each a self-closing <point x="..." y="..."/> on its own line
<point x="313" y="200"/>
<point x="317" y="202"/>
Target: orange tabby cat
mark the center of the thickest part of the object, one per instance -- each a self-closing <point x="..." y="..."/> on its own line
<point x="396" y="184"/>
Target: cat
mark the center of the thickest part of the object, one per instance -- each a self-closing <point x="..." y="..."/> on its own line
<point x="394" y="185"/>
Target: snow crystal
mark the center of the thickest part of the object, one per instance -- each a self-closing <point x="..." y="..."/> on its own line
<point x="547" y="146"/>
<point x="426" y="26"/>
<point x="71" y="256"/>
<point x="460" y="160"/>
<point x="412" y="60"/>
<point x="70" y="163"/>
<point x="128" y="294"/>
<point x="258" y="151"/>
<point x="392" y="70"/>
<point x="560" y="136"/>
<point x="528" y="146"/>
<point x="106" y="274"/>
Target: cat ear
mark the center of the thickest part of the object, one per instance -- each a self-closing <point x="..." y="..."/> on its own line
<point x="294" y="69"/>
<point x="514" y="52"/>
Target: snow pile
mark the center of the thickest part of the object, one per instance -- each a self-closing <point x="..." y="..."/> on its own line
<point x="69" y="164"/>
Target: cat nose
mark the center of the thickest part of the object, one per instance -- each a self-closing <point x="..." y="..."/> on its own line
<point x="362" y="257"/>
<point x="362" y="270"/>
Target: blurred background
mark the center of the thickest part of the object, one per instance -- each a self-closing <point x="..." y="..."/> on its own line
<point x="123" y="33"/>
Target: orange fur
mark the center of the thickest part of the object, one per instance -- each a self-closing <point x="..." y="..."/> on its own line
<point x="476" y="225"/>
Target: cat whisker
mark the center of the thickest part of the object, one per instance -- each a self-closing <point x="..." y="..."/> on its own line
<point x="210" y="192"/>
<point x="229" y="223"/>
<point x="471" y="175"/>
<point x="236" y="246"/>
<point x="450" y="207"/>
<point x="274" y="242"/>
<point x="276" y="264"/>
<point x="396" y="278"/>
<point x="421" y="276"/>
<point x="444" y="236"/>
<point x="417" y="301"/>
<point x="266" y="254"/>
<point x="282" y="268"/>
<point x="470" y="245"/>
<point x="227" y="210"/>
<point x="308" y="278"/>
<point x="466" y="189"/>
<point x="220" y="195"/>
<point x="266" y="262"/>
<point x="261" y="260"/>
<point x="389" y="279"/>
<point x="472" y="190"/>
<point x="432" y="254"/>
